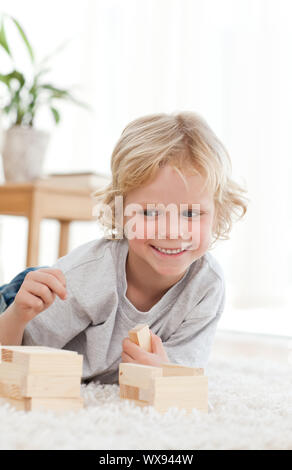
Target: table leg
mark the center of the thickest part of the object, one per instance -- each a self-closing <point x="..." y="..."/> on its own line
<point x="33" y="240"/>
<point x="64" y="237"/>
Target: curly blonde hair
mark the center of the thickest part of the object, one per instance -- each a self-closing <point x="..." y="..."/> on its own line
<point x="185" y="141"/>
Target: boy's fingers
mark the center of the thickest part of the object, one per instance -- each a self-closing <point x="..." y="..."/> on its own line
<point x="55" y="272"/>
<point x="132" y="348"/>
<point x="31" y="301"/>
<point x="156" y="342"/>
<point x="50" y="281"/>
<point x="127" y="358"/>
<point x="42" y="291"/>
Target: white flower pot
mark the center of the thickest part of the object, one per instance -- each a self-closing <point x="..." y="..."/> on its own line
<point x="23" y="153"/>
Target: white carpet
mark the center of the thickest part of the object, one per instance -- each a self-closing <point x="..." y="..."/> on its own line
<point x="252" y="409"/>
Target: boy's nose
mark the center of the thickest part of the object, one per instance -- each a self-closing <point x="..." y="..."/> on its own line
<point x="170" y="227"/>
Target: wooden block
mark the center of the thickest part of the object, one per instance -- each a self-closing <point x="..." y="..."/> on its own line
<point x="40" y="386"/>
<point x="36" y="360"/>
<point x="134" y="393"/>
<point x="146" y="394"/>
<point x="141" y="335"/>
<point x="9" y="370"/>
<point x="58" y="405"/>
<point x="182" y="392"/>
<point x="170" y="369"/>
<point x="129" y="392"/>
<point x="51" y="386"/>
<point x="138" y="375"/>
<point x="171" y="385"/>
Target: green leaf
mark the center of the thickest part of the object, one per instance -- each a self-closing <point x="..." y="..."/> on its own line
<point x="56" y="114"/>
<point x="59" y="93"/>
<point x="13" y="75"/>
<point x="5" y="79"/>
<point x="7" y="109"/>
<point x="3" y="40"/>
<point x="56" y="92"/>
<point x="24" y="37"/>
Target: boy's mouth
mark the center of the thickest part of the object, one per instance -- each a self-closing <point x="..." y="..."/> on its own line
<point x="168" y="251"/>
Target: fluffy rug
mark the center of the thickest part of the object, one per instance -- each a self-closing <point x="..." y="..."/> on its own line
<point x="250" y="408"/>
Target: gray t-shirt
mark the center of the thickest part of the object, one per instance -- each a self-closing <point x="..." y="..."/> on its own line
<point x="96" y="315"/>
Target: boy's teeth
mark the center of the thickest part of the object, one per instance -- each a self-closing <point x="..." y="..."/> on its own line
<point x="168" y="251"/>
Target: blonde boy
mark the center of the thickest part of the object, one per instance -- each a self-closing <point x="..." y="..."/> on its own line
<point x="170" y="199"/>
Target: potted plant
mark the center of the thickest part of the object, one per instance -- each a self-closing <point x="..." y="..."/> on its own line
<point x="24" y="145"/>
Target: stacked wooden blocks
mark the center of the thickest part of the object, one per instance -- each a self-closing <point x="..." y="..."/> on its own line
<point x="171" y="385"/>
<point x="40" y="378"/>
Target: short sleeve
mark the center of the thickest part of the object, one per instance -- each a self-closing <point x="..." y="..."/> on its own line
<point x="191" y="344"/>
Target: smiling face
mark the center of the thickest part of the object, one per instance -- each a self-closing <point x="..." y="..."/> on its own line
<point x="186" y="224"/>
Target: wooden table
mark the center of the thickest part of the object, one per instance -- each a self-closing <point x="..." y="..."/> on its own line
<point x="43" y="199"/>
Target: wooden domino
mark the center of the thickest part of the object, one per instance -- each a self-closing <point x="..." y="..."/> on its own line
<point x="138" y="375"/>
<point x="43" y="360"/>
<point x="141" y="336"/>
<point x="185" y="392"/>
<point x="185" y="388"/>
<point x="40" y="378"/>
<point x="170" y="385"/>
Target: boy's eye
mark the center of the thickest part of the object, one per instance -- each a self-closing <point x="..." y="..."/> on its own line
<point x="150" y="212"/>
<point x="191" y="213"/>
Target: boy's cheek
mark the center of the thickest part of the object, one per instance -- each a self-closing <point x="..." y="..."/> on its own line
<point x="135" y="228"/>
<point x="200" y="236"/>
<point x="205" y="236"/>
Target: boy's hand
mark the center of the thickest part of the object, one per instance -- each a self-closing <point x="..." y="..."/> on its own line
<point x="37" y="292"/>
<point x="134" y="353"/>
